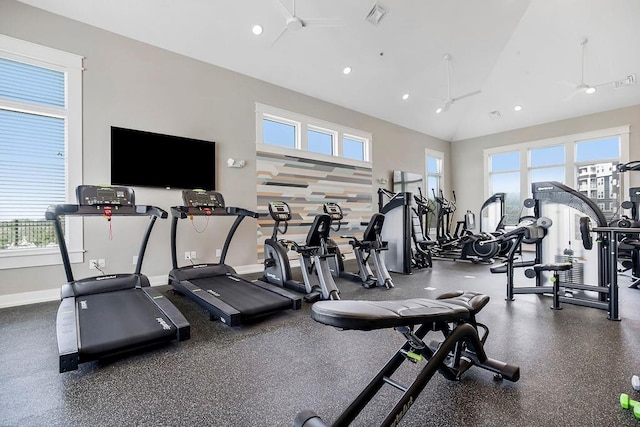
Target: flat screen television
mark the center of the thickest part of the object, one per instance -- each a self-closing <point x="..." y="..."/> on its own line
<point x="148" y="159"/>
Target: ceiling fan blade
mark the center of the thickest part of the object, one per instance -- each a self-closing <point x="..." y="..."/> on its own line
<point x="285" y="10"/>
<point x="477" y="92"/>
<point x="611" y="82"/>
<point x="279" y="35"/>
<point x="574" y="93"/>
<point x="568" y="83"/>
<point x="319" y="22"/>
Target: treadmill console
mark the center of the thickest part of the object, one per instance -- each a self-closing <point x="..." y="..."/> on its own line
<point x="279" y="211"/>
<point x="333" y="210"/>
<point x="202" y="199"/>
<point x="96" y="195"/>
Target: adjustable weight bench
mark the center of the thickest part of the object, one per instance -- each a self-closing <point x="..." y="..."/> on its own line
<point x="453" y="314"/>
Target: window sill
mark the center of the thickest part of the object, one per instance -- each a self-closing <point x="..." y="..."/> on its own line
<point x="36" y="257"/>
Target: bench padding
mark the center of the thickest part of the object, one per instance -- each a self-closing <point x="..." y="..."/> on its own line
<point x="369" y="315"/>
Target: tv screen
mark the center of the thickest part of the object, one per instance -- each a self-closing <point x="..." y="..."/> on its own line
<point x="147" y="159"/>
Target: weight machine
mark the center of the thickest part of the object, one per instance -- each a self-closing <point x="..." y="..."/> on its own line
<point x="552" y="198"/>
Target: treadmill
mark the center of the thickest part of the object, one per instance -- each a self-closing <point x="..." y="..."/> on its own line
<point x="116" y="313"/>
<point x="216" y="286"/>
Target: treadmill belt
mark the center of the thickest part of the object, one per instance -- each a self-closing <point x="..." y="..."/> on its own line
<point x="117" y="321"/>
<point x="250" y="300"/>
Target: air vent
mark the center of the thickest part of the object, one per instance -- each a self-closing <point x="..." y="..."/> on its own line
<point x="495" y="115"/>
<point x="375" y="15"/>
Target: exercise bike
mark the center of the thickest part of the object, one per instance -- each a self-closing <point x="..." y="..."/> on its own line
<point x="369" y="246"/>
<point x="314" y="256"/>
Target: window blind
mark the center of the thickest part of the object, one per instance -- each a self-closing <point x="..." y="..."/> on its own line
<point x="32" y="142"/>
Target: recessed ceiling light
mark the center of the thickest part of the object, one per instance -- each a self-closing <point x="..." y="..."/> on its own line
<point x="405" y="96"/>
<point x="346" y="70"/>
<point x="590" y="90"/>
<point x="256" y="29"/>
<point x="518" y="107"/>
<point x="439" y="110"/>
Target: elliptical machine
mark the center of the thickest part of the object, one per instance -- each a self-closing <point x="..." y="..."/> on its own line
<point x="277" y="268"/>
<point x="368" y="246"/>
<point x="463" y="244"/>
<point x="314" y="257"/>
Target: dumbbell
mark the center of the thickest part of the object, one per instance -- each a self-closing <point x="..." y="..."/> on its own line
<point x="635" y="382"/>
<point x="626" y="402"/>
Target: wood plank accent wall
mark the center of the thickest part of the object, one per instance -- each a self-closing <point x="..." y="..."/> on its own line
<point x="306" y="184"/>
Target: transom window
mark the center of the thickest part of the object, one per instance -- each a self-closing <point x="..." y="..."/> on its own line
<point x="320" y="141"/>
<point x="280" y="128"/>
<point x="277" y="132"/>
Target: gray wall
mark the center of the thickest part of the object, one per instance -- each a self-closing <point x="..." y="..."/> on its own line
<point x="132" y="84"/>
<point x="468" y="170"/>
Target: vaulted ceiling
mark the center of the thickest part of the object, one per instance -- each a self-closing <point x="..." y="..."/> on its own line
<point x="516" y="52"/>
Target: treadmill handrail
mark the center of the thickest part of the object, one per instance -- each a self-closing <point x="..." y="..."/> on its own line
<point x="183" y="212"/>
<point x="54" y="212"/>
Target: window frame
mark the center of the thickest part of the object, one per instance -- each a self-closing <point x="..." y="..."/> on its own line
<point x="333" y="134"/>
<point x="439" y="175"/>
<point x="70" y="64"/>
<point x="303" y="125"/>
<point x="571" y="165"/>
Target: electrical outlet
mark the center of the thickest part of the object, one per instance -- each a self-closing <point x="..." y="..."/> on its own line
<point x="101" y="263"/>
<point x="193" y="255"/>
<point x="93" y="263"/>
<point x="187" y="255"/>
<point x="218" y="253"/>
<point x="135" y="260"/>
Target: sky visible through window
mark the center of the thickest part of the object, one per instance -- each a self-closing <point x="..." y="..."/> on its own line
<point x="598" y="149"/>
<point x="320" y="142"/>
<point x="353" y="149"/>
<point x="277" y="133"/>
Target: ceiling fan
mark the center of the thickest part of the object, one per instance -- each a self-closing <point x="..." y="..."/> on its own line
<point x="583" y="87"/>
<point x="295" y="23"/>
<point x="449" y="101"/>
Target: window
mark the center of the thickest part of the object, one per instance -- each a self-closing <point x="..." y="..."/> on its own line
<point x="434" y="175"/>
<point x="547" y="164"/>
<point x="596" y="172"/>
<point x="319" y="141"/>
<point x="288" y="130"/>
<point x="504" y="177"/>
<point x="279" y="132"/>
<point x="583" y="161"/>
<point x="40" y="150"/>
<point x="354" y="148"/>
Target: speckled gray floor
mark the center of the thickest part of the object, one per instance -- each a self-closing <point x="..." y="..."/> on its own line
<point x="574" y="365"/>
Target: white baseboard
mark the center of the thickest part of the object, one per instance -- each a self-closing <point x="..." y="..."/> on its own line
<point x="25" y="298"/>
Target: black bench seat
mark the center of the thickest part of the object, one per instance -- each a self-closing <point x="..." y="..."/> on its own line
<point x="370" y="315"/>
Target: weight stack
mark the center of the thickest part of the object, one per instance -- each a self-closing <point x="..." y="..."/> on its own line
<point x="573" y="276"/>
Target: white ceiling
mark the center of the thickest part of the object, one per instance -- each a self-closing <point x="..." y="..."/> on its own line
<point x="515" y="51"/>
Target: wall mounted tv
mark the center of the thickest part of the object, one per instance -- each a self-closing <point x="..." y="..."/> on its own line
<point x="147" y="159"/>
